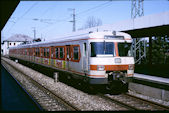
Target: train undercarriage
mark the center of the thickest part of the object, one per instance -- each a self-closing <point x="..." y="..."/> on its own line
<point x="116" y="81"/>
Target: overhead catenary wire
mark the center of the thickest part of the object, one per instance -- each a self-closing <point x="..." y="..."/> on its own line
<point x="23" y="15"/>
<point x="66" y="19"/>
<point x="56" y="20"/>
<point x="107" y="5"/>
<point x="101" y="5"/>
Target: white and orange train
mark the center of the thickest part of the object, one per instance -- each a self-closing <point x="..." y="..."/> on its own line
<point x="94" y="57"/>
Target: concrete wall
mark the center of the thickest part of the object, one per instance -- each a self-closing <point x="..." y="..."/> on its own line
<point x="149" y="91"/>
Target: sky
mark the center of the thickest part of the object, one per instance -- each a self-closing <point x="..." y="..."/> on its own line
<point x="50" y="18"/>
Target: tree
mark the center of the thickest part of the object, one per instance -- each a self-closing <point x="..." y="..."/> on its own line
<point x="91" y="22"/>
<point x="160" y="50"/>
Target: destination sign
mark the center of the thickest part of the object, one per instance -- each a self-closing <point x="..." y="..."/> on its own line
<point x="114" y="37"/>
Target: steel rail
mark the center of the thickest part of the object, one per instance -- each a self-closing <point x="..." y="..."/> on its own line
<point x="148" y="101"/>
<point x="30" y="96"/>
<point x="118" y="102"/>
<point x="137" y="99"/>
<point x="67" y="104"/>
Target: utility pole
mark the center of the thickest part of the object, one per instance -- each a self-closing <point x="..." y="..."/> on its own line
<point x="41" y="36"/>
<point x="34" y="31"/>
<point x="74" y="20"/>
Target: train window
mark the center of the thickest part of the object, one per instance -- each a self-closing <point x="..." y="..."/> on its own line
<point x="124" y="49"/>
<point x="84" y="46"/>
<point x="41" y="52"/>
<point x="25" y="51"/>
<point x="61" y="52"/>
<point x="47" y="52"/>
<point x="38" y="52"/>
<point x="68" y="52"/>
<point x="44" y="52"/>
<point x="52" y="52"/>
<point x="30" y="52"/>
<point x="57" y="52"/>
<point x="102" y="48"/>
<point x="33" y="51"/>
<point x="75" y="52"/>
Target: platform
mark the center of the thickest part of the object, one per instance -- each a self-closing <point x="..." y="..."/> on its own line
<point x="152" y="86"/>
<point x="150" y="78"/>
<point x="13" y="97"/>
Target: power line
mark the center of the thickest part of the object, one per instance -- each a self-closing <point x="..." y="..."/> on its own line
<point x="101" y="5"/>
<point x="23" y="15"/>
<point x="66" y="19"/>
<point x="102" y="8"/>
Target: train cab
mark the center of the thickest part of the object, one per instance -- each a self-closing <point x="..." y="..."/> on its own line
<point x="110" y="57"/>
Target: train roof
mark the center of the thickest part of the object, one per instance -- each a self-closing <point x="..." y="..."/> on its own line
<point x="77" y="36"/>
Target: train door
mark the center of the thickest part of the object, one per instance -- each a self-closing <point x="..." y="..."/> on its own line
<point x="33" y="54"/>
<point x="84" y="59"/>
<point x="52" y="55"/>
<point x="68" y="56"/>
<point x="31" y="49"/>
<point x="29" y="54"/>
<point x="40" y="55"/>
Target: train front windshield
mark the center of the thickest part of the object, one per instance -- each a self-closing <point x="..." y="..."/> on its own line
<point x="102" y="48"/>
<point x="124" y="49"/>
<point x="108" y="48"/>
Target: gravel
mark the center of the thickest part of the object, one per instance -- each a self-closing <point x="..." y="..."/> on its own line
<point x="46" y="102"/>
<point x="76" y="97"/>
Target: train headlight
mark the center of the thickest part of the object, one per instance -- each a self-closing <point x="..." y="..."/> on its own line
<point x="131" y="67"/>
<point x="100" y="68"/>
<point x="117" y="60"/>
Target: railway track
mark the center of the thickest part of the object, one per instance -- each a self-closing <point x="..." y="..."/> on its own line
<point x="134" y="103"/>
<point x="53" y="102"/>
<point x="157" y="105"/>
<point x="47" y="99"/>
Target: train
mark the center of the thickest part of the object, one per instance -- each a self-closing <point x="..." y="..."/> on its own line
<point x="96" y="58"/>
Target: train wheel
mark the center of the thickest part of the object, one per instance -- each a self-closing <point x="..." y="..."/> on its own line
<point x="114" y="87"/>
<point x="125" y="88"/>
<point x="91" y="89"/>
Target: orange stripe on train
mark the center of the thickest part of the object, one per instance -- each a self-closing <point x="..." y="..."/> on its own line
<point x="97" y="75"/>
<point x="111" y="67"/>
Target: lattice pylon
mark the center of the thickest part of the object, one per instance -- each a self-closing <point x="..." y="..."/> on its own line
<point x="137" y="10"/>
